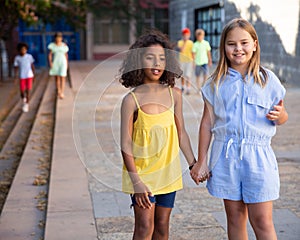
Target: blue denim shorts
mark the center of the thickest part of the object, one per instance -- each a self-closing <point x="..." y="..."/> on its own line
<point x="201" y="68"/>
<point x="162" y="200"/>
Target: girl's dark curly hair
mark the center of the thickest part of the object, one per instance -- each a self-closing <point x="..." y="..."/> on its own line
<point x="131" y="71"/>
<point x="21" y="45"/>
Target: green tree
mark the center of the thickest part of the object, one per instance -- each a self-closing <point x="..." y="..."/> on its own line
<point x="33" y="12"/>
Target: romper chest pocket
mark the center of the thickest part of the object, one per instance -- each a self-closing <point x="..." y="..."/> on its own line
<point x="256" y="109"/>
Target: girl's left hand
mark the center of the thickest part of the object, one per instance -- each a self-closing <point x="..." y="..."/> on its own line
<point x="275" y="114"/>
<point x="200" y="173"/>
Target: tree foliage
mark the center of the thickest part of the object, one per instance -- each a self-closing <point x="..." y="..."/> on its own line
<point x="34" y="11"/>
<point x="37" y="11"/>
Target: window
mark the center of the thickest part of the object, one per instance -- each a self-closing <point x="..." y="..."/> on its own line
<point x="210" y="20"/>
<point x="108" y="32"/>
<point x="153" y="18"/>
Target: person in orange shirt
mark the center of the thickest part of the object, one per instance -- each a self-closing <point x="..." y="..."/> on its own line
<point x="185" y="46"/>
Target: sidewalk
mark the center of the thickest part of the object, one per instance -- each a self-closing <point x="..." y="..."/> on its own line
<point x="85" y="200"/>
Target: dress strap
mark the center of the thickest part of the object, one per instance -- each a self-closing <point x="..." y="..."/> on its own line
<point x="171" y="93"/>
<point x="135" y="99"/>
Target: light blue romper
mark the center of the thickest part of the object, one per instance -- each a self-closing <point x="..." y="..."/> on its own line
<point x="242" y="162"/>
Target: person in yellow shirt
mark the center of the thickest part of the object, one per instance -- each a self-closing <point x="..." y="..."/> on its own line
<point x="152" y="133"/>
<point x="185" y="46"/>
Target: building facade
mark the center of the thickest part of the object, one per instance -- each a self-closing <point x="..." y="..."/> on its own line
<point x="107" y="36"/>
<point x="278" y="30"/>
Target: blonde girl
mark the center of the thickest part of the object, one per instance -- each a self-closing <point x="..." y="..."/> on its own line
<point x="243" y="103"/>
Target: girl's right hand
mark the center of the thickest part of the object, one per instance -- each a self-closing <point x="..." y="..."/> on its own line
<point x="141" y="193"/>
<point x="51" y="64"/>
<point x="200" y="173"/>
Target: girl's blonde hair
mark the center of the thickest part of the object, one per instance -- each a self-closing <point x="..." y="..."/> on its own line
<point x="254" y="63"/>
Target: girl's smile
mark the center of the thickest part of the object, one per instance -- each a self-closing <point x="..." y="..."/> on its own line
<point x="154" y="62"/>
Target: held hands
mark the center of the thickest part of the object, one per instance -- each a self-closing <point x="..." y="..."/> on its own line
<point x="200" y="173"/>
<point x="141" y="193"/>
<point x="277" y="112"/>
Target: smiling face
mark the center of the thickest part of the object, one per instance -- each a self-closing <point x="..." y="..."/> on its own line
<point x="154" y="63"/>
<point x="239" y="48"/>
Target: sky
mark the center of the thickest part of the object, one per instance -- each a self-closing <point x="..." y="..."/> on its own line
<point x="282" y="15"/>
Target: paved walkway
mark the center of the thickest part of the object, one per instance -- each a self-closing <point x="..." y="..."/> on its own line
<point x="85" y="200"/>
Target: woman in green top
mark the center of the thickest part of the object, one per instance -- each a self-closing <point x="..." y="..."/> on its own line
<point x="58" y="61"/>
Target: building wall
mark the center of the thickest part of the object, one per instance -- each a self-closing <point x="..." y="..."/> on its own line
<point x="107" y="38"/>
<point x="182" y="14"/>
<point x="279" y="40"/>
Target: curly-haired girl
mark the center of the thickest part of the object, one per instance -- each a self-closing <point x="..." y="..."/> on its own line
<point x="152" y="131"/>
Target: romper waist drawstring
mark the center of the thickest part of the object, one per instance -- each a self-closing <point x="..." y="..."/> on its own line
<point x="246" y="140"/>
<point x="242" y="149"/>
<point x="228" y="146"/>
<point x="229" y="143"/>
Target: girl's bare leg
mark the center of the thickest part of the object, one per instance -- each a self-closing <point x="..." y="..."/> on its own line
<point x="63" y="83"/>
<point x="144" y="223"/>
<point x="237" y="216"/>
<point x="161" y="223"/>
<point x="58" y="86"/>
<point x="260" y="216"/>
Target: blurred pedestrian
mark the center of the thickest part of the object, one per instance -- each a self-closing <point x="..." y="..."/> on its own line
<point x="243" y="103"/>
<point x="185" y="46"/>
<point x="152" y="133"/>
<point x="24" y="68"/>
<point x="58" y="61"/>
<point x="202" y="57"/>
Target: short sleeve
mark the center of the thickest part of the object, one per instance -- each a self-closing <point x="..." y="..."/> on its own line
<point x="208" y="46"/>
<point x="194" y="49"/>
<point x="50" y="46"/>
<point x="66" y="48"/>
<point x="208" y="92"/>
<point x="31" y="58"/>
<point x="276" y="88"/>
<point x="179" y="44"/>
<point x="16" y="63"/>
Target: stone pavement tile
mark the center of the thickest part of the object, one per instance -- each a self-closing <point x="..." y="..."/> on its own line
<point x="120" y="228"/>
<point x="289" y="171"/>
<point x="286" y="224"/>
<point x="70" y="211"/>
<point x="116" y="204"/>
<point x="196" y="225"/>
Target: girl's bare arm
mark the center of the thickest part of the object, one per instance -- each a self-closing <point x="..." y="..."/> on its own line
<point x="184" y="140"/>
<point x="127" y="110"/>
<point x="200" y="171"/>
<point x="140" y="189"/>
<point x="50" y="58"/>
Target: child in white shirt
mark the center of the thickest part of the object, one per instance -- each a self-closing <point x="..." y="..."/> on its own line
<point x="24" y="68"/>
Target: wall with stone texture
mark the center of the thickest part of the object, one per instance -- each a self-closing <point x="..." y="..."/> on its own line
<point x="278" y="52"/>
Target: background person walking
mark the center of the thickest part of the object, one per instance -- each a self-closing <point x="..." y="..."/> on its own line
<point x="24" y="67"/>
<point x="202" y="57"/>
<point x="185" y="46"/>
<point x="58" y="61"/>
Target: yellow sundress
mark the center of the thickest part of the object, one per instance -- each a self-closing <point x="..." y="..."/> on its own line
<point x="155" y="151"/>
